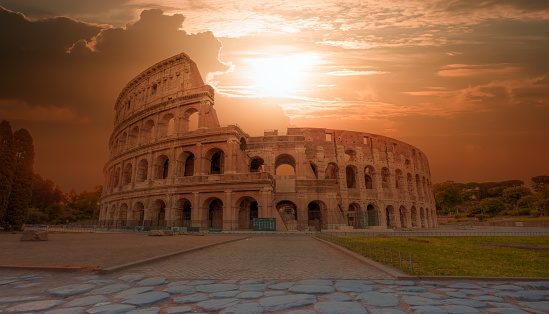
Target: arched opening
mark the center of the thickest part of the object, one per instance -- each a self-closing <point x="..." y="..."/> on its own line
<point x="217" y="162"/>
<point x="134" y="135"/>
<point x="314" y="213"/>
<point x="350" y="155"/>
<point x="183" y="213"/>
<point x="215" y="214"/>
<point x="355" y="217"/>
<point x="248" y="210"/>
<point x="403" y="219"/>
<point x="372" y="215"/>
<point x="148" y="131"/>
<point x="424" y="188"/>
<point x="158" y="214"/>
<point x="138" y="214"/>
<point x="190" y="120"/>
<point x="112" y="213"/>
<point x="389" y="216"/>
<point x="288" y="212"/>
<point x="332" y="171"/>
<point x="243" y="144"/>
<point x="161" y="167"/>
<point x="142" y="170"/>
<point x="117" y="177"/>
<point x="127" y="176"/>
<point x="122" y="142"/>
<point x="123" y="213"/>
<point x="185" y="164"/>
<point x="422" y="217"/>
<point x="418" y="187"/>
<point x="315" y="170"/>
<point x="167" y="124"/>
<point x="415" y="217"/>
<point x="285" y="165"/>
<point x="410" y="184"/>
<point x="399" y="180"/>
<point x="257" y="165"/>
<point x="385" y="178"/>
<point x="369" y="177"/>
<point x="350" y="172"/>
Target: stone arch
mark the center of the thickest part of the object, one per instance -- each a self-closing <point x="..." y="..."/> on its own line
<point x="216" y="157"/>
<point x="369" y="175"/>
<point x="422" y="218"/>
<point x="288" y="212"/>
<point x="215" y="212"/>
<point x="123" y="212"/>
<point x="122" y="142"/>
<point x="161" y="167"/>
<point x="257" y="164"/>
<point x="133" y="138"/>
<point x="127" y="175"/>
<point x="117" y="177"/>
<point x="399" y="180"/>
<point x="167" y="125"/>
<point x="243" y="144"/>
<point x="418" y="187"/>
<point x="148" y="131"/>
<point x="285" y="165"/>
<point x="371" y="213"/>
<point x="385" y="178"/>
<point x="190" y="120"/>
<point x="354" y="216"/>
<point x="350" y="172"/>
<point x="183" y="213"/>
<point x="138" y="213"/>
<point x="332" y="171"/>
<point x="415" y="217"/>
<point x="185" y="164"/>
<point x="314" y="168"/>
<point x="410" y="184"/>
<point x="142" y="170"/>
<point x="424" y="188"/>
<point x="350" y="155"/>
<point x="158" y="213"/>
<point x="403" y="216"/>
<point x="248" y="209"/>
<point x="314" y="214"/>
<point x="111" y="215"/>
<point x="390" y="217"/>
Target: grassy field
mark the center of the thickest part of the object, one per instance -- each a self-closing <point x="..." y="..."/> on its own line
<point x="463" y="256"/>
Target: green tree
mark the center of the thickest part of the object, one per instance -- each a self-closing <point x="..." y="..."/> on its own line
<point x="447" y="195"/>
<point x="513" y="194"/>
<point x="527" y="201"/>
<point x="540" y="184"/>
<point x="492" y="206"/>
<point x="21" y="189"/>
<point x="7" y="165"/>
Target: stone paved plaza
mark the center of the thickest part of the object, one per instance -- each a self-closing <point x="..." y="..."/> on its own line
<point x="285" y="274"/>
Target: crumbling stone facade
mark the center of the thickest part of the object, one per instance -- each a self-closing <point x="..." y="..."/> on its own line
<point x="172" y="164"/>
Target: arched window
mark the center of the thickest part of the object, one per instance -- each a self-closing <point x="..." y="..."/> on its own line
<point x="190" y="120"/>
<point x="399" y="179"/>
<point x="385" y="177"/>
<point x="257" y="165"/>
<point x="142" y="170"/>
<point x="217" y="163"/>
<point x="332" y="171"/>
<point x="369" y="177"/>
<point x="167" y="125"/>
<point x="243" y="144"/>
<point x="127" y="176"/>
<point x="285" y="165"/>
<point x="148" y="131"/>
<point x="122" y="142"/>
<point x="350" y="172"/>
<point x="350" y="155"/>
<point x="134" y="135"/>
<point x="117" y="177"/>
<point x="161" y="167"/>
<point x="315" y="171"/>
<point x="185" y="164"/>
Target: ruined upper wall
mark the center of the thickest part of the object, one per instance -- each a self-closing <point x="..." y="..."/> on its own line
<point x="174" y="77"/>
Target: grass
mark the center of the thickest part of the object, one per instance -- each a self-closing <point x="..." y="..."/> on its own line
<point x="461" y="256"/>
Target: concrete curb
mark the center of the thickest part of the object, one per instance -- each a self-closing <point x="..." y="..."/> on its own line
<point x="155" y="258"/>
<point x="53" y="268"/>
<point x="382" y="267"/>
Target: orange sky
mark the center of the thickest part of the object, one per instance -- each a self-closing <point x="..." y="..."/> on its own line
<point x="465" y="81"/>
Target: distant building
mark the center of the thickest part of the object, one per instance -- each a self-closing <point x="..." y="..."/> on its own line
<point x="172" y="164"/>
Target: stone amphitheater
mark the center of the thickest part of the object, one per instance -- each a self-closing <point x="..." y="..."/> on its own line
<point x="172" y="164"/>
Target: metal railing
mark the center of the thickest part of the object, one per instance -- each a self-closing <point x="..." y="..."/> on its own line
<point x="439" y="234"/>
<point x="375" y="252"/>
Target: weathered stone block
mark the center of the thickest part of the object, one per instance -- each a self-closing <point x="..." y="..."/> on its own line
<point x="34" y="235"/>
<point x="156" y="233"/>
<point x="168" y="232"/>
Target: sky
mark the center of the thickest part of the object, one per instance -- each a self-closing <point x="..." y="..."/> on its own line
<point x="465" y="81"/>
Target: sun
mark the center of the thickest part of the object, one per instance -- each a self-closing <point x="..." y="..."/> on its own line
<point x="280" y="76"/>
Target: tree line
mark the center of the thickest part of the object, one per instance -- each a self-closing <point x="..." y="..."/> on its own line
<point x="482" y="200"/>
<point x="26" y="197"/>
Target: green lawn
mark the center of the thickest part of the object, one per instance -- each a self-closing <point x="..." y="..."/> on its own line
<point x="460" y="256"/>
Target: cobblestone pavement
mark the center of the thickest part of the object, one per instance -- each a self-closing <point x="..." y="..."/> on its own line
<point x="280" y="257"/>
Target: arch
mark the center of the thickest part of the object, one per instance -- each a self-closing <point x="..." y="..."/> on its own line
<point x="415" y="217"/>
<point x="350" y="155"/>
<point x="285" y="165"/>
<point x="369" y="177"/>
<point x="350" y="172"/>
<point x="248" y="210"/>
<point x="127" y="175"/>
<point x="332" y="171"/>
<point x="403" y="212"/>
<point x="148" y="131"/>
<point x="133" y="137"/>
<point x="424" y="188"/>
<point x="161" y="167"/>
<point x="314" y="214"/>
<point x="385" y="178"/>
<point x="142" y="170"/>
<point x="117" y="177"/>
<point x="190" y="120"/>
<point x="123" y="212"/>
<point x="257" y="165"/>
<point x="243" y="144"/>
<point x="399" y="180"/>
<point x="418" y="187"/>
<point x="185" y="164"/>
<point x="166" y="125"/>
<point x="215" y="213"/>
<point x="371" y="213"/>
<point x="390" y="216"/>
<point x="138" y="213"/>
<point x="122" y="142"/>
<point x="183" y="212"/>
<point x="410" y="184"/>
<point x="111" y="214"/>
<point x="354" y="216"/>
<point x="287" y="211"/>
<point x="217" y="160"/>
<point x="158" y="213"/>
<point x="422" y="221"/>
<point x="315" y="169"/>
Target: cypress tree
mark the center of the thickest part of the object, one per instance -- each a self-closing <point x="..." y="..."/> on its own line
<point x="7" y="165"/>
<point x="21" y="193"/>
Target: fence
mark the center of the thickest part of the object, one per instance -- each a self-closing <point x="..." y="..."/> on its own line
<point x="374" y="252"/>
<point x="78" y="229"/>
<point x="439" y="234"/>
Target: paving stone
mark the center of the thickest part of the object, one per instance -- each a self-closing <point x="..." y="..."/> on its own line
<point x="245" y="308"/>
<point x="218" y="304"/>
<point x="273" y="293"/>
<point x="431" y="283"/>
<point x="542" y="305"/>
<point x="254" y="287"/>
<point x="71" y="289"/>
<point x="386" y="282"/>
<point x="498" y="304"/>
<point x="447" y="289"/>
<point x="178" y="309"/>
<point x="405" y="293"/>
<point x="456" y="294"/>
<point x="191" y="298"/>
<point x="506" y="310"/>
<point x="224" y="294"/>
<point x="464" y="285"/>
<point x="20" y="298"/>
<point x="201" y="282"/>
<point x="282" y="286"/>
<point x="489" y="290"/>
<point x="340" y="307"/>
<point x="28" y="276"/>
<point x="432" y="295"/>
<point x="131" y="278"/>
<point x="35" y="306"/>
<point x="386" y="311"/>
<point x="468" y="302"/>
<point x="26" y="285"/>
<point x="311" y="289"/>
<point x="100" y="282"/>
<point x="405" y="283"/>
<point x="302" y="312"/>
<point x="354" y="286"/>
<point x="110" y="309"/>
<point x="154" y="281"/>
<point x="180" y="289"/>
<point x="179" y="283"/>
<point x="250" y="282"/>
<point x="460" y="309"/>
<point x="146" y="298"/>
<point x="508" y="288"/>
<point x="250" y="295"/>
<point x="149" y="310"/>
<point x="338" y="297"/>
<point x="415" y="300"/>
<point x="319" y="282"/>
<point x="284" y="302"/>
<point x="387" y="290"/>
<point x="378" y="299"/>
<point x="543" y="285"/>
<point x="132" y="291"/>
<point x="70" y="310"/>
<point x="473" y="292"/>
<point x="490" y="298"/>
<point x="528" y="295"/>
<point x="110" y="289"/>
<point x="412" y="289"/>
<point x="7" y="281"/>
<point x="216" y="287"/>
<point x="428" y="309"/>
<point x="86" y="301"/>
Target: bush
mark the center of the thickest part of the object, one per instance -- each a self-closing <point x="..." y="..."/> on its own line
<point x="481" y="217"/>
<point x="523" y="211"/>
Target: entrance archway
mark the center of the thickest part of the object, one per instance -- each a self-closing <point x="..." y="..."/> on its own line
<point x="183" y="214"/>
<point x="248" y="210"/>
<point x="215" y="214"/>
<point x="371" y="213"/>
<point x="314" y="213"/>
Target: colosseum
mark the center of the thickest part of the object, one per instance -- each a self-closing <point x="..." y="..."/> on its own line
<point x="172" y="164"/>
